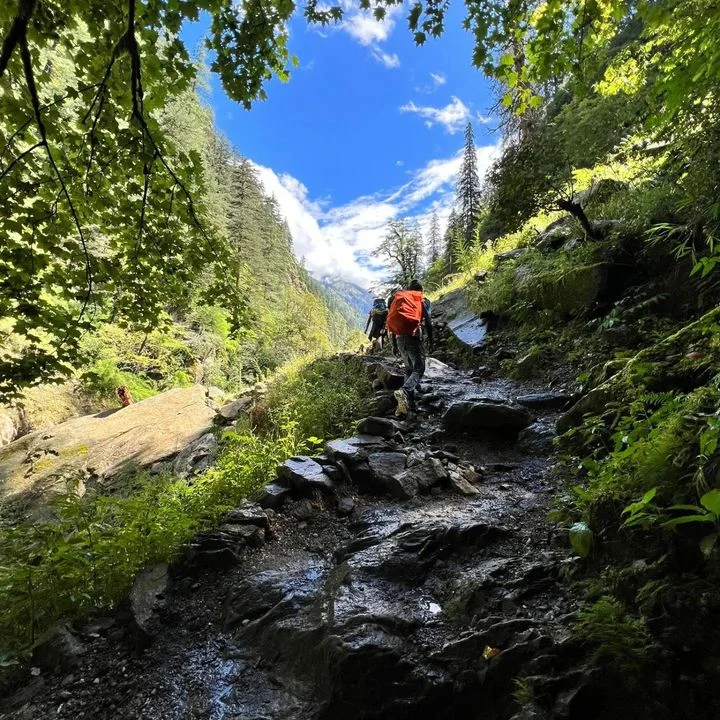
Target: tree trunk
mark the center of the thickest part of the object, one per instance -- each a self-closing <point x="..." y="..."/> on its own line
<point x="579" y="214"/>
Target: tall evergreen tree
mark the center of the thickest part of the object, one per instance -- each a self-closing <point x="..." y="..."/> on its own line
<point x="468" y="188"/>
<point x="432" y="246"/>
<point x="452" y="232"/>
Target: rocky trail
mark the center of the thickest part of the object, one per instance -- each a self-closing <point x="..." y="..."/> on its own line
<point x="407" y="572"/>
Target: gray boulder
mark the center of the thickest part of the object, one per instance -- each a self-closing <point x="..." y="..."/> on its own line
<point x="385" y="465"/>
<point x="356" y="448"/>
<point x="301" y="473"/>
<point x="470" y="416"/>
<point x="274" y="495"/>
<point x="237" y="407"/>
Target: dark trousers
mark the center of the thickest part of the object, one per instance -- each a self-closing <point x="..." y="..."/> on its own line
<point x="412" y="353"/>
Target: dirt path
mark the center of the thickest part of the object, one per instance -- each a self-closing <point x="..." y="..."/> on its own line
<point x="427" y="607"/>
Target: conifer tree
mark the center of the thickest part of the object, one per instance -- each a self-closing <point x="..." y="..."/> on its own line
<point x="468" y="188"/>
<point x="449" y="239"/>
<point x="433" y="240"/>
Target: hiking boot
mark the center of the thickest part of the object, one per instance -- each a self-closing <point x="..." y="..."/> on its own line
<point x="403" y="404"/>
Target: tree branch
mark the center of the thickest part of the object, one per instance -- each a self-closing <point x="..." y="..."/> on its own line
<point x="17" y="32"/>
<point x="35" y="100"/>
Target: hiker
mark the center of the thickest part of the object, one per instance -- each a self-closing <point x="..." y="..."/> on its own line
<point x="377" y="316"/>
<point x="406" y="315"/>
<point x="124" y="395"/>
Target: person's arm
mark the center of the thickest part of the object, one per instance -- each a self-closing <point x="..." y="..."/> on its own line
<point x="367" y="324"/>
<point x="428" y="325"/>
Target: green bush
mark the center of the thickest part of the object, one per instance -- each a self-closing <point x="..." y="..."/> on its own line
<point x="324" y="397"/>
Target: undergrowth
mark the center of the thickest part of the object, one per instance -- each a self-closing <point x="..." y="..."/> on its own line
<point x="87" y="557"/>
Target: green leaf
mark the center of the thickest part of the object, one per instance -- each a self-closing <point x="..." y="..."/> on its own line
<point x="688" y="519"/>
<point x="581" y="539"/>
<point x="711" y="501"/>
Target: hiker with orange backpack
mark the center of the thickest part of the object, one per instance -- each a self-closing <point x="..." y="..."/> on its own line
<point x="406" y="315"/>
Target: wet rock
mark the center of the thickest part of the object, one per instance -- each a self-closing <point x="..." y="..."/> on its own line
<point x="381" y="427"/>
<point x="274" y="495"/>
<point x="355" y="449"/>
<point x="429" y="473"/>
<point x="377" y="384"/>
<point x="253" y="597"/>
<point x="471" y="416"/>
<point x="545" y="400"/>
<point x="345" y="505"/>
<point x="391" y="378"/>
<point x="384" y="466"/>
<point x="58" y="650"/>
<point x="302" y="473"/>
<point x="538" y="438"/>
<point x="434" y="538"/>
<point x="248" y="514"/>
<point x="197" y="457"/>
<point x="147" y="599"/>
<point x="404" y="485"/>
<point x="237" y="407"/>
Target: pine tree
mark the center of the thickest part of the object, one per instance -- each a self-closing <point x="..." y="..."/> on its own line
<point x="433" y="240"/>
<point x="468" y="188"/>
<point x="449" y="239"/>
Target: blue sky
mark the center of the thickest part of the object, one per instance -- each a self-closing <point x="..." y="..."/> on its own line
<point x="368" y="128"/>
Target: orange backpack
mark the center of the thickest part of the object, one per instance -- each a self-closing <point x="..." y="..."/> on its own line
<point x="405" y="312"/>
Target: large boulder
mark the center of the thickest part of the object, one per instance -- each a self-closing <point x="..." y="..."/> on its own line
<point x="471" y="416"/>
<point x="468" y="328"/>
<point x="43" y="464"/>
<point x="384" y="466"/>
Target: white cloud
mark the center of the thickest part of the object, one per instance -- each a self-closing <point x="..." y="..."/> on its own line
<point x="389" y="60"/>
<point x="343" y="240"/>
<point x="363" y="27"/>
<point x="453" y="117"/>
<point x="438" y="79"/>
